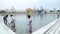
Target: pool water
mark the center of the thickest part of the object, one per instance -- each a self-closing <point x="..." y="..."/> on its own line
<point x="38" y="21"/>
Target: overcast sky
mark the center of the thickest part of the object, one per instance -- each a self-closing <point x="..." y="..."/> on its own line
<point x="23" y="4"/>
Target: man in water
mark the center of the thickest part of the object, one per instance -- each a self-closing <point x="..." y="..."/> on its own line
<point x="5" y="19"/>
<point x="30" y="24"/>
<point x="13" y="23"/>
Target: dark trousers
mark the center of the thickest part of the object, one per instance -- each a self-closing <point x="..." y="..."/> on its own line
<point x="5" y="22"/>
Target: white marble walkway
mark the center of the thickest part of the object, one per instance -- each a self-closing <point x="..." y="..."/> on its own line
<point x="51" y="28"/>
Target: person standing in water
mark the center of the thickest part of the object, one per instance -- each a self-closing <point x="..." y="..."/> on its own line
<point x="5" y="19"/>
<point x="13" y="23"/>
<point x="30" y="24"/>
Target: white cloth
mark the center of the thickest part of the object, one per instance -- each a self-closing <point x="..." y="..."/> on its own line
<point x="12" y="18"/>
<point x="12" y="21"/>
<point x="30" y="19"/>
<point x="9" y="20"/>
<point x="30" y="24"/>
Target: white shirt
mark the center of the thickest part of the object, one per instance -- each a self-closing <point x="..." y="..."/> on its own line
<point x="8" y="20"/>
<point x="12" y="18"/>
<point x="30" y="24"/>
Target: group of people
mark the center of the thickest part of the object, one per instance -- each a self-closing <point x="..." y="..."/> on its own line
<point x="12" y="22"/>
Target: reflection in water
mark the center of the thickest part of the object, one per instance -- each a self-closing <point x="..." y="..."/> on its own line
<point x="41" y="16"/>
<point x="45" y="13"/>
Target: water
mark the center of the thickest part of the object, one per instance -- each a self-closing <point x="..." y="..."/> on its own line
<point x="38" y="21"/>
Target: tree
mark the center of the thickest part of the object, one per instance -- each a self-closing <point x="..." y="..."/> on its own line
<point x="2" y="11"/>
<point x="58" y="10"/>
<point x="51" y="10"/>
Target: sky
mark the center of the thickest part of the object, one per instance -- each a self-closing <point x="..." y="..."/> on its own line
<point x="23" y="4"/>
